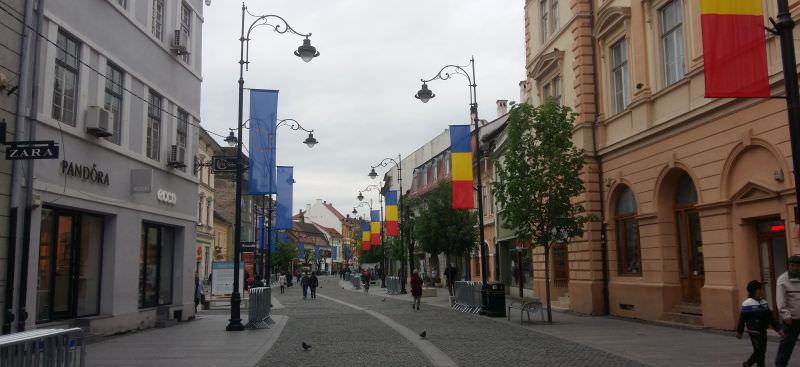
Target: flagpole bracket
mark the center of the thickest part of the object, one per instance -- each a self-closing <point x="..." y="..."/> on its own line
<point x="772" y="30"/>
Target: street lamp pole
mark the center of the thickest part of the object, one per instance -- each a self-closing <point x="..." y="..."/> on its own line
<point x="307" y="53"/>
<point x="372" y="174"/>
<point x="424" y="95"/>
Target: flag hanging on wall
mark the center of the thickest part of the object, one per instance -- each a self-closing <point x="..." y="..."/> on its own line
<point x="346" y="253"/>
<point x="263" y="116"/>
<point x="375" y="227"/>
<point x="391" y="214"/>
<point x="261" y="238"/>
<point x="316" y="252"/>
<point x="734" y="49"/>
<point x="365" y="236"/>
<point x="461" y="161"/>
<point x="301" y="251"/>
<point x="334" y="253"/>
<point x="283" y="205"/>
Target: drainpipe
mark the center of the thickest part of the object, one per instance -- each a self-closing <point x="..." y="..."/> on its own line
<point x="19" y="208"/>
<point x="599" y="163"/>
<point x="31" y="120"/>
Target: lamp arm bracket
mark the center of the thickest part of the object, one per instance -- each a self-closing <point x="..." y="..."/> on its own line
<point x="448" y="70"/>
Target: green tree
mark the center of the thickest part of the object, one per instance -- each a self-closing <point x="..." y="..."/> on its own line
<point x="538" y="179"/>
<point x="284" y="253"/>
<point x="441" y="229"/>
<point x="373" y="255"/>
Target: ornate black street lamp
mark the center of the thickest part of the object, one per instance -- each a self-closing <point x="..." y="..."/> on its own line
<point x="373" y="175"/>
<point x="424" y="95"/>
<point x="305" y="52"/>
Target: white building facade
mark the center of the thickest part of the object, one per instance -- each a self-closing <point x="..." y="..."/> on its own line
<point x="112" y="223"/>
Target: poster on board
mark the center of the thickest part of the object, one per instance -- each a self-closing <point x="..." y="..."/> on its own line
<point x="222" y="278"/>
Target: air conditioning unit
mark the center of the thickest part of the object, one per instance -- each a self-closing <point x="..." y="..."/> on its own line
<point x="179" y="43"/>
<point x="99" y="121"/>
<point x="177" y="157"/>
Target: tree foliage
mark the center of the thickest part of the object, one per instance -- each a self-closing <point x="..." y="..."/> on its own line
<point x="441" y="229"/>
<point x="373" y="255"/>
<point x="284" y="253"/>
<point x="538" y="175"/>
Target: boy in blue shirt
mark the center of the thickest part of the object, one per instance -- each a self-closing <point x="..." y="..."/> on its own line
<point x="757" y="316"/>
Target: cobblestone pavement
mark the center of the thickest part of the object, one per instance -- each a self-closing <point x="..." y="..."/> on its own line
<point x="342" y="335"/>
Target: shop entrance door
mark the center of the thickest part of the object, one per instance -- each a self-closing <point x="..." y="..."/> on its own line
<point x="69" y="265"/>
<point x="772" y="255"/>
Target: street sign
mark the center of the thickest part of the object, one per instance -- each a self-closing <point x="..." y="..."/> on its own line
<point x="223" y="164"/>
<point x="40" y="149"/>
<point x="248" y="247"/>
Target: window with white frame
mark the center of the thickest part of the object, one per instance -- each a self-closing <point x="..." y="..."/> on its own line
<point x="65" y="85"/>
<point x="553" y="16"/>
<point x="200" y="210"/>
<point x="158" y="20"/>
<point x="543" y="14"/>
<point x="619" y="75"/>
<point x="186" y="28"/>
<point x="182" y="130"/>
<point x="552" y="89"/>
<point x="208" y="212"/>
<point x="153" y="145"/>
<point x="113" y="101"/>
<point x="447" y="164"/>
<point x="672" y="42"/>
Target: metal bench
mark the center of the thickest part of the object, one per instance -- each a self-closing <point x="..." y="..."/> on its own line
<point x="525" y="306"/>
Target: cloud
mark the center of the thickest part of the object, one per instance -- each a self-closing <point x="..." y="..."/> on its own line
<point x="358" y="95"/>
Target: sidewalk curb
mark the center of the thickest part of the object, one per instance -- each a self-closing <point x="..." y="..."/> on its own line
<point x="269" y="341"/>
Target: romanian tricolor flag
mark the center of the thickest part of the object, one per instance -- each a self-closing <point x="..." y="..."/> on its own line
<point x="734" y="48"/>
<point x="461" y="161"/>
<point x="391" y="214"/>
<point x="365" y="236"/>
<point x="375" y="227"/>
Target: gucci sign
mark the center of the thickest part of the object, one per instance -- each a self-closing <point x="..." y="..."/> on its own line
<point x="167" y="197"/>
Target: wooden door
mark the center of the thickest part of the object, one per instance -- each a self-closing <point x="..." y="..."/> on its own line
<point x="690" y="254"/>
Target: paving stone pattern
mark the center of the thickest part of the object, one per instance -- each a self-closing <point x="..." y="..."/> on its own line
<point x="344" y="336"/>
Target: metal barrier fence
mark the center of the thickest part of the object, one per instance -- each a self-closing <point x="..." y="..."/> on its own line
<point x="44" y="348"/>
<point x="393" y="285"/>
<point x="259" y="308"/>
<point x="467" y="296"/>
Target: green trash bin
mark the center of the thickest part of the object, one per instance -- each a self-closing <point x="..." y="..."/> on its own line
<point x="494" y="299"/>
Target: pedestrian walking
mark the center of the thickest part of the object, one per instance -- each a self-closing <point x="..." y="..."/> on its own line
<point x="198" y="291"/>
<point x="282" y="282"/>
<point x="304" y="282"/>
<point x="756" y="315"/>
<point x="787" y="293"/>
<point x="416" y="289"/>
<point x="313" y="282"/>
<point x="365" y="280"/>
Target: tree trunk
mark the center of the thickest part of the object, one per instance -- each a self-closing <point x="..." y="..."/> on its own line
<point x="520" y="277"/>
<point x="547" y="282"/>
<point x="448" y="275"/>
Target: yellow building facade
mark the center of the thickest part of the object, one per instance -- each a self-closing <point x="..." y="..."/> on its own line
<point x="696" y="195"/>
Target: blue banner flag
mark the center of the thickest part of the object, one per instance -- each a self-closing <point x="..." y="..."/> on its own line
<point x="346" y="253"/>
<point x="334" y="253"/>
<point x="316" y="252"/>
<point x="263" y="119"/>
<point x="301" y="251"/>
<point x="273" y="244"/>
<point x="283" y="212"/>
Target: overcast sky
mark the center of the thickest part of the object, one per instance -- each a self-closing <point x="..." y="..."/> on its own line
<point x="358" y="95"/>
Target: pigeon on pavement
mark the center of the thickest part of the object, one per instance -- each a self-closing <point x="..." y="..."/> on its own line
<point x="423" y="334"/>
<point x="306" y="346"/>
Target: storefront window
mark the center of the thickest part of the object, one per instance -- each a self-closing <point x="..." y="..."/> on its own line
<point x="155" y="265"/>
<point x="521" y="266"/>
<point x="70" y="246"/>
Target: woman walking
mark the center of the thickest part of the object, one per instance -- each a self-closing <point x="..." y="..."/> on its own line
<point x="282" y="282"/>
<point x="416" y="289"/>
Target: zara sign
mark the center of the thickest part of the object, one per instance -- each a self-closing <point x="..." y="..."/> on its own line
<point x="167" y="197"/>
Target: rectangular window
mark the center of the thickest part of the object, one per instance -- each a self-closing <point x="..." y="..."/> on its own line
<point x="65" y="87"/>
<point x="158" y="20"/>
<point x="113" y="101"/>
<point x="553" y="89"/>
<point x="628" y="240"/>
<point x="553" y="16"/>
<point x="155" y="266"/>
<point x="200" y="210"/>
<point x="619" y="74"/>
<point x="543" y="13"/>
<point x="672" y="42"/>
<point x="186" y="28"/>
<point x="182" y="131"/>
<point x="154" y="127"/>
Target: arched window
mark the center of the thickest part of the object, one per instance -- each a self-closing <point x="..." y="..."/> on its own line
<point x="628" y="250"/>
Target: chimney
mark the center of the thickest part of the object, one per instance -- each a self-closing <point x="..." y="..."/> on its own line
<point x="502" y="107"/>
<point x="523" y="91"/>
<point x="302" y="216"/>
